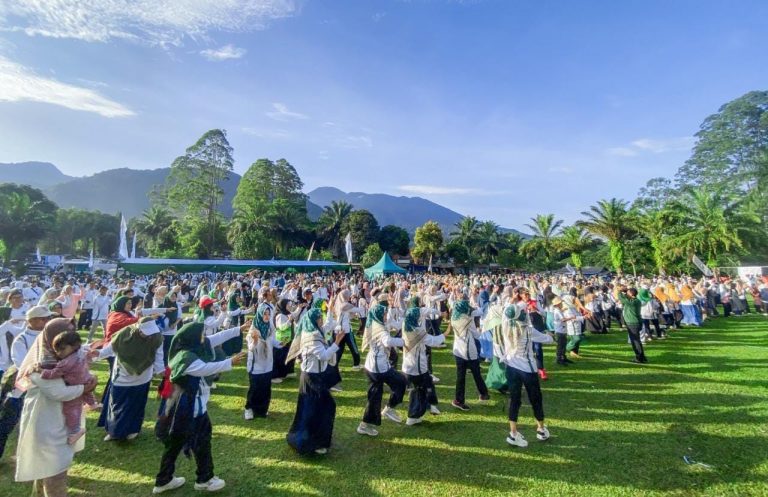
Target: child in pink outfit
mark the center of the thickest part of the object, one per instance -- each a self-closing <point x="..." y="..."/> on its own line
<point x="72" y="367"/>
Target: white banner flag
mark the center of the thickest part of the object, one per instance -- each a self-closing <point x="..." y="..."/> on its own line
<point x="702" y="267"/>
<point x="123" y="247"/>
<point x="311" y="249"/>
<point x="133" y="246"/>
<point x="37" y="255"/>
<point x="348" y="247"/>
<point x="90" y="261"/>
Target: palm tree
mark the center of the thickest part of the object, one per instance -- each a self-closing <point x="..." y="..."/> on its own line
<point x="489" y="240"/>
<point x="286" y="222"/>
<point x="154" y="221"/>
<point x="656" y="226"/>
<point x="23" y="220"/>
<point x="544" y="229"/>
<point x="153" y="227"/>
<point x="466" y="235"/>
<point x="331" y="221"/>
<point x="575" y="241"/>
<point x="711" y="224"/>
<point x="613" y="221"/>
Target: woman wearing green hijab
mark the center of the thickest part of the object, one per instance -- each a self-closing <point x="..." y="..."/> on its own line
<point x="312" y="426"/>
<point x="137" y="355"/>
<point x="261" y="342"/>
<point x="417" y="341"/>
<point x="466" y="351"/>
<point x="379" y="370"/>
<point x="183" y="421"/>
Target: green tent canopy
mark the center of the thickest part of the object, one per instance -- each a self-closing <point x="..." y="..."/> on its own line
<point x="384" y="267"/>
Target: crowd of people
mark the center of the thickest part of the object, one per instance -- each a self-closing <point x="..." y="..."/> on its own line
<point x="188" y="330"/>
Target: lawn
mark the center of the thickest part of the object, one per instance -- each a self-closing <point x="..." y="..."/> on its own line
<point x="618" y="429"/>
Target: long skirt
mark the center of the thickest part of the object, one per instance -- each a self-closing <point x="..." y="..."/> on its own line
<point x="312" y="426"/>
<point x="691" y="315"/>
<point x="422" y="396"/>
<point x="123" y="411"/>
<point x="259" y="394"/>
<point x="486" y="345"/>
<point x="279" y="367"/>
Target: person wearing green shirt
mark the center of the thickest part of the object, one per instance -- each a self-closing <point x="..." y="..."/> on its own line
<point x="631" y="315"/>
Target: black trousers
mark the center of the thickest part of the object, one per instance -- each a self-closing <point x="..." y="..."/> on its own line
<point x="461" y="377"/>
<point x="376" y="381"/>
<point x="562" y="340"/>
<point x="85" y="320"/>
<point x="201" y="448"/>
<point x="259" y="393"/>
<point x="516" y="379"/>
<point x="422" y="396"/>
<point x="647" y="325"/>
<point x="633" y="330"/>
<point x="726" y="309"/>
<point x="10" y="412"/>
<point x="349" y="341"/>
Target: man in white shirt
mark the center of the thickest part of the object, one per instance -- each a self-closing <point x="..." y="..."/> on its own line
<point x="86" y="311"/>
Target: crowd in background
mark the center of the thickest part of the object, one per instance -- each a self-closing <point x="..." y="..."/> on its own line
<point x="188" y="329"/>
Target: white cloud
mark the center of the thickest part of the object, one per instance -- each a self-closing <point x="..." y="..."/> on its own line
<point x="280" y="112"/>
<point x="652" y="145"/>
<point x="224" y="53"/>
<point x="669" y="145"/>
<point x="20" y="84"/>
<point x="355" y="141"/>
<point x="436" y="190"/>
<point x="270" y="134"/>
<point x="157" y="22"/>
<point x="621" y="151"/>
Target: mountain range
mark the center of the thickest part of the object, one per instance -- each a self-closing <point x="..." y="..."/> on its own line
<point x="127" y="191"/>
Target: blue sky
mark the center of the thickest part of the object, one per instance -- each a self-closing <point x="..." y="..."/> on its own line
<point x="498" y="109"/>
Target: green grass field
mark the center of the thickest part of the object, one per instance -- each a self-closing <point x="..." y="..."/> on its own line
<point x="618" y="429"/>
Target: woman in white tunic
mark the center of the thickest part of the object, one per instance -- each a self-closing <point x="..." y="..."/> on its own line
<point x="43" y="455"/>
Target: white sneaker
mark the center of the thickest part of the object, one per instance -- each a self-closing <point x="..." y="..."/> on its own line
<point x="171" y="485"/>
<point x="132" y="436"/>
<point x="108" y="438"/>
<point x="542" y="434"/>
<point x="214" y="386"/>
<point x="434" y="410"/>
<point x="366" y="429"/>
<point x="277" y="381"/>
<point x="435" y="379"/>
<point x="412" y="421"/>
<point x="391" y="414"/>
<point x="212" y="485"/>
<point x="357" y="368"/>
<point x="336" y="388"/>
<point x="517" y="439"/>
<point x="321" y="452"/>
<point x="248" y="414"/>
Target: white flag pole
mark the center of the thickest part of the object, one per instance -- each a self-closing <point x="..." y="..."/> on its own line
<point x="123" y="247"/>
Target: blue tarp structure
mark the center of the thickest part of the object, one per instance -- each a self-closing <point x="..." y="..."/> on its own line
<point x="384" y="267"/>
<point x="151" y="266"/>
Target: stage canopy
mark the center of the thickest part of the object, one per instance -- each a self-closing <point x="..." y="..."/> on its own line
<point x="383" y="267"/>
<point x="151" y="266"/>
